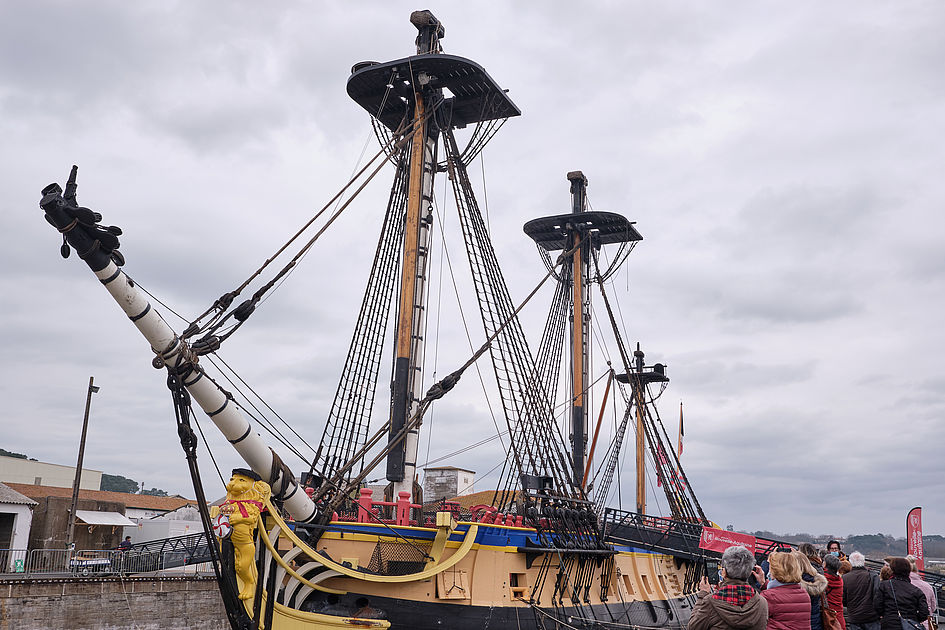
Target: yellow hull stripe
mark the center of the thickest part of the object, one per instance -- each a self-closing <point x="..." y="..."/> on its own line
<point x="458" y="555"/>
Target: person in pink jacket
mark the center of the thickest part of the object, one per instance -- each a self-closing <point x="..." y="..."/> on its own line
<point x="788" y="602"/>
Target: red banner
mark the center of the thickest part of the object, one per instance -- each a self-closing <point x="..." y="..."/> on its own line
<point x="914" y="536"/>
<point x="720" y="540"/>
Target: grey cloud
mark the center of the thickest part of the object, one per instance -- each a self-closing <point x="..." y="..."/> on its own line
<point x="781" y="162"/>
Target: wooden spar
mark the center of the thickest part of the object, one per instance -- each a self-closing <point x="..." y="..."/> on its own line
<point x="579" y="337"/>
<point x="406" y="387"/>
<point x="402" y="390"/>
<point x="638" y="391"/>
<point x="600" y="418"/>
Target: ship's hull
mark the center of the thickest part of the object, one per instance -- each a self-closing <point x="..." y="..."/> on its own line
<point x="484" y="578"/>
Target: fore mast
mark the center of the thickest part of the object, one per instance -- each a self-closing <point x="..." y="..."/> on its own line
<point x="425" y="95"/>
<point x="408" y="343"/>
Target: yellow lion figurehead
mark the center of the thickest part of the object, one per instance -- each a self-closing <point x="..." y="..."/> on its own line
<point x="246" y="493"/>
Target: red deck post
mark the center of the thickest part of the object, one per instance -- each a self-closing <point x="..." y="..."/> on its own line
<point x="364" y="505"/>
<point x="403" y="508"/>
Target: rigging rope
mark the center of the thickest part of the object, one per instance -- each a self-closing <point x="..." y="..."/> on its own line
<point x="209" y="342"/>
<point x="347" y="425"/>
<point x="538" y="447"/>
<point x="682" y="501"/>
<point x="438" y="390"/>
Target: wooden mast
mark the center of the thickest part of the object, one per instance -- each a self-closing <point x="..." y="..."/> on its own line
<point x="638" y="394"/>
<point x="408" y="346"/>
<point x="581" y="230"/>
<point x="579" y="329"/>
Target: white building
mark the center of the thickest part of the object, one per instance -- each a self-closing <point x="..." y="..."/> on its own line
<point x="16" y="517"/>
<point x="446" y="482"/>
<point x="30" y="471"/>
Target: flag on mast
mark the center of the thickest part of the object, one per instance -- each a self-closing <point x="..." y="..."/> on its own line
<point x="662" y="463"/>
<point x="681" y="433"/>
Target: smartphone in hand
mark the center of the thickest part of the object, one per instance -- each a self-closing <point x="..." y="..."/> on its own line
<point x="712" y="571"/>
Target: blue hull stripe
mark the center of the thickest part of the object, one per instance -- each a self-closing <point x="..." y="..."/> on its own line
<point x="489" y="536"/>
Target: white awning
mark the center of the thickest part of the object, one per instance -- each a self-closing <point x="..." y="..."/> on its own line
<point x="91" y="517"/>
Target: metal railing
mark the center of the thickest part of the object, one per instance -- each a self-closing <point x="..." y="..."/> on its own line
<point x="37" y="563"/>
<point x="13" y="560"/>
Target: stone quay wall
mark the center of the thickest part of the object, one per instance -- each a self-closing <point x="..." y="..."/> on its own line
<point x="112" y="604"/>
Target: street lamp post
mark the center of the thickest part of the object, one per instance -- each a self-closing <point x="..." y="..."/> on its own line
<point x="78" y="467"/>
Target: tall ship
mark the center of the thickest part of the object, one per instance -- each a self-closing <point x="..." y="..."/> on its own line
<point x="318" y="548"/>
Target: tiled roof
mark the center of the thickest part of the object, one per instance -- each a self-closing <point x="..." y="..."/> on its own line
<point x="138" y="501"/>
<point x="11" y="497"/>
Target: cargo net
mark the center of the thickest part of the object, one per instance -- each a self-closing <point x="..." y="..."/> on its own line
<point x="398" y="558"/>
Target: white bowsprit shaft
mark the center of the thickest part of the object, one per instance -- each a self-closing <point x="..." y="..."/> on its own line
<point x="99" y="251"/>
<point x="224" y="413"/>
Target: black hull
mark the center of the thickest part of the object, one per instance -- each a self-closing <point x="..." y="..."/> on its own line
<point x="413" y="615"/>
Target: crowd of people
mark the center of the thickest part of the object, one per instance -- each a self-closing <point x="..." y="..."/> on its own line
<point x="812" y="589"/>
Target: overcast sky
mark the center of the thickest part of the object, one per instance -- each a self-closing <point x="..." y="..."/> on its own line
<point x="783" y="161"/>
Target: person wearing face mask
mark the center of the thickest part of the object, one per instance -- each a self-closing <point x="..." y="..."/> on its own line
<point x="834" y="549"/>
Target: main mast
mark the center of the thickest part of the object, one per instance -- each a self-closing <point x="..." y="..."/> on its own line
<point x="580" y="329"/>
<point x="579" y="233"/>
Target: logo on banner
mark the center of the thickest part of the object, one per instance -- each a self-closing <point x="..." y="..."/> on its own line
<point x="719" y="540"/>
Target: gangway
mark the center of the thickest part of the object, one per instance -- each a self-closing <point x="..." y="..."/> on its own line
<point x="666" y="535"/>
<point x="166" y="553"/>
<point x="681" y="540"/>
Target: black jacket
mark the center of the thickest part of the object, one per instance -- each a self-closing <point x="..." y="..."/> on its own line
<point x="859" y="588"/>
<point x="910" y="599"/>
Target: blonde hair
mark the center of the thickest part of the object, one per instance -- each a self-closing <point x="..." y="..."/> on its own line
<point x="784" y="567"/>
<point x="803" y="562"/>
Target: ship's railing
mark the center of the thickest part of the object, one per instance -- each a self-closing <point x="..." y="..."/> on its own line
<point x="367" y="510"/>
<point x="189" y="549"/>
<point x="680" y="538"/>
<point x="403" y="512"/>
<point x="23" y="563"/>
